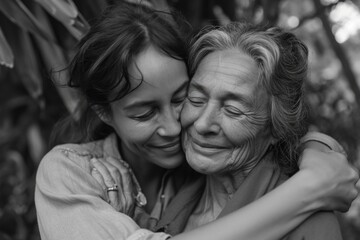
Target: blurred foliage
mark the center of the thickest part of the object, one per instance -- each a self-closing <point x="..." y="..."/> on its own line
<point x="37" y="36"/>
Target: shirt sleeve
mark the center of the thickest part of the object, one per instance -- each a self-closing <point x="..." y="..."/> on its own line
<point x="319" y="226"/>
<point x="70" y="204"/>
<point x="324" y="139"/>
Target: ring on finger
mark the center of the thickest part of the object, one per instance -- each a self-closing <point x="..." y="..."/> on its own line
<point x="113" y="188"/>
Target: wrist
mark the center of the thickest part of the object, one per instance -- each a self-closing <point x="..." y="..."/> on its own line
<point x="310" y="190"/>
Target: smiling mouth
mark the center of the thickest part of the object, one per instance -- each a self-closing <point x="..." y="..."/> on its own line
<point x="170" y="147"/>
<point x="206" y="149"/>
<point x="207" y="145"/>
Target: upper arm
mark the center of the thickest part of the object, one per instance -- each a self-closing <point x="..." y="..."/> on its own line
<point x="319" y="226"/>
<point x="70" y="203"/>
<point x="322" y="142"/>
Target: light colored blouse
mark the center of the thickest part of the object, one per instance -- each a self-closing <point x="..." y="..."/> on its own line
<point x="262" y="179"/>
<point x="71" y="204"/>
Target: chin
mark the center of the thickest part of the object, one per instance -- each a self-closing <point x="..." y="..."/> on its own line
<point x="172" y="162"/>
<point x="200" y="164"/>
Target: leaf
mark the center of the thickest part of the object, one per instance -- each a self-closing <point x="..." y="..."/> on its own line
<point x="26" y="61"/>
<point x="63" y="9"/>
<point x="6" y="54"/>
<point x="54" y="59"/>
<point x="66" y="12"/>
<point x="19" y="14"/>
<point x="28" y="67"/>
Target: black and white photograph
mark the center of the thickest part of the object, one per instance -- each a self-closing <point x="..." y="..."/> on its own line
<point x="179" y="119"/>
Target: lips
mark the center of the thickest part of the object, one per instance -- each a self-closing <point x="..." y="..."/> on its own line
<point x="204" y="144"/>
<point x="170" y="147"/>
<point x="206" y="148"/>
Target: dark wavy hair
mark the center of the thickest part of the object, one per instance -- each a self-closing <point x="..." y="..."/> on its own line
<point x="104" y="54"/>
<point x="283" y="61"/>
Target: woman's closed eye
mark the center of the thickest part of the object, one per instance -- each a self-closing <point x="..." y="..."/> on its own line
<point x="178" y="100"/>
<point x="196" y="101"/>
<point x="233" y="111"/>
<point x="144" y="116"/>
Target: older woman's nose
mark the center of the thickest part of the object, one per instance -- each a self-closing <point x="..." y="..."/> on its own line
<point x="208" y="121"/>
<point x="170" y="123"/>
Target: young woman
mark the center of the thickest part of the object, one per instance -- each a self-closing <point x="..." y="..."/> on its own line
<point x="131" y="69"/>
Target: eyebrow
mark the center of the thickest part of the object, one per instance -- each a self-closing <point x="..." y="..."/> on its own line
<point x="226" y="96"/>
<point x="142" y="103"/>
<point x="197" y="87"/>
<point x="183" y="86"/>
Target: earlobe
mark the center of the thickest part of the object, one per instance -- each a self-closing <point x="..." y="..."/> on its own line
<point x="102" y="114"/>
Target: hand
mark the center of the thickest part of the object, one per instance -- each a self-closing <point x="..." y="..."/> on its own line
<point x="332" y="179"/>
<point x="111" y="171"/>
<point x="353" y="215"/>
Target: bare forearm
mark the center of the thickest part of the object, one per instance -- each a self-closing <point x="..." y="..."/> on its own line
<point x="270" y="217"/>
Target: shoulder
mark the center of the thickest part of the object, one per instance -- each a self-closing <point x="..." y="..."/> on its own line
<point x="319" y="226"/>
<point x="66" y="166"/>
<point x="79" y="154"/>
<point x="64" y="155"/>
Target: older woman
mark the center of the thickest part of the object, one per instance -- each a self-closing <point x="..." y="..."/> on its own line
<point x="243" y="120"/>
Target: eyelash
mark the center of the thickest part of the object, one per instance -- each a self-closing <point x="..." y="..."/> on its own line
<point x="196" y="101"/>
<point x="145" y="116"/>
<point x="178" y="101"/>
<point x="231" y="110"/>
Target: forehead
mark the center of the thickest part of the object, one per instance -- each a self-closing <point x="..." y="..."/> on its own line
<point x="230" y="69"/>
<point x="153" y="66"/>
<point x="161" y="77"/>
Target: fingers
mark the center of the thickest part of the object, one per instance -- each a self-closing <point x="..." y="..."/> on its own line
<point x="123" y="171"/>
<point x="109" y="181"/>
<point x="98" y="177"/>
<point x="353" y="188"/>
<point x="357" y="183"/>
<point x="112" y="171"/>
<point x="126" y="178"/>
<point x="333" y="176"/>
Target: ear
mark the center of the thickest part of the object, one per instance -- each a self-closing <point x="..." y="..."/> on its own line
<point x="104" y="115"/>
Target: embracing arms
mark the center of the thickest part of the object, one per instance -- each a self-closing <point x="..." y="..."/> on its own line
<point x="325" y="182"/>
<point x="71" y="204"/>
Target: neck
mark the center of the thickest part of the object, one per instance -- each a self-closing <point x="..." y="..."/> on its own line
<point x="221" y="186"/>
<point x="148" y="175"/>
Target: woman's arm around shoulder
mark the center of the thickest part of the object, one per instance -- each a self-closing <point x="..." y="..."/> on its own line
<point x="72" y="205"/>
<point x="320" y="226"/>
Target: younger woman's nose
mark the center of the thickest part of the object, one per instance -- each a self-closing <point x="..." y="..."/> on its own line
<point x="170" y="124"/>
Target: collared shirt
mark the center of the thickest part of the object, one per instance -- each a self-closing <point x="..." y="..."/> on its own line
<point x="262" y="179"/>
<point x="71" y="204"/>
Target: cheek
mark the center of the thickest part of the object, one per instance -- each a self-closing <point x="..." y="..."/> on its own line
<point x="188" y="115"/>
<point x="247" y="129"/>
<point x="238" y="132"/>
<point x="132" y="132"/>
